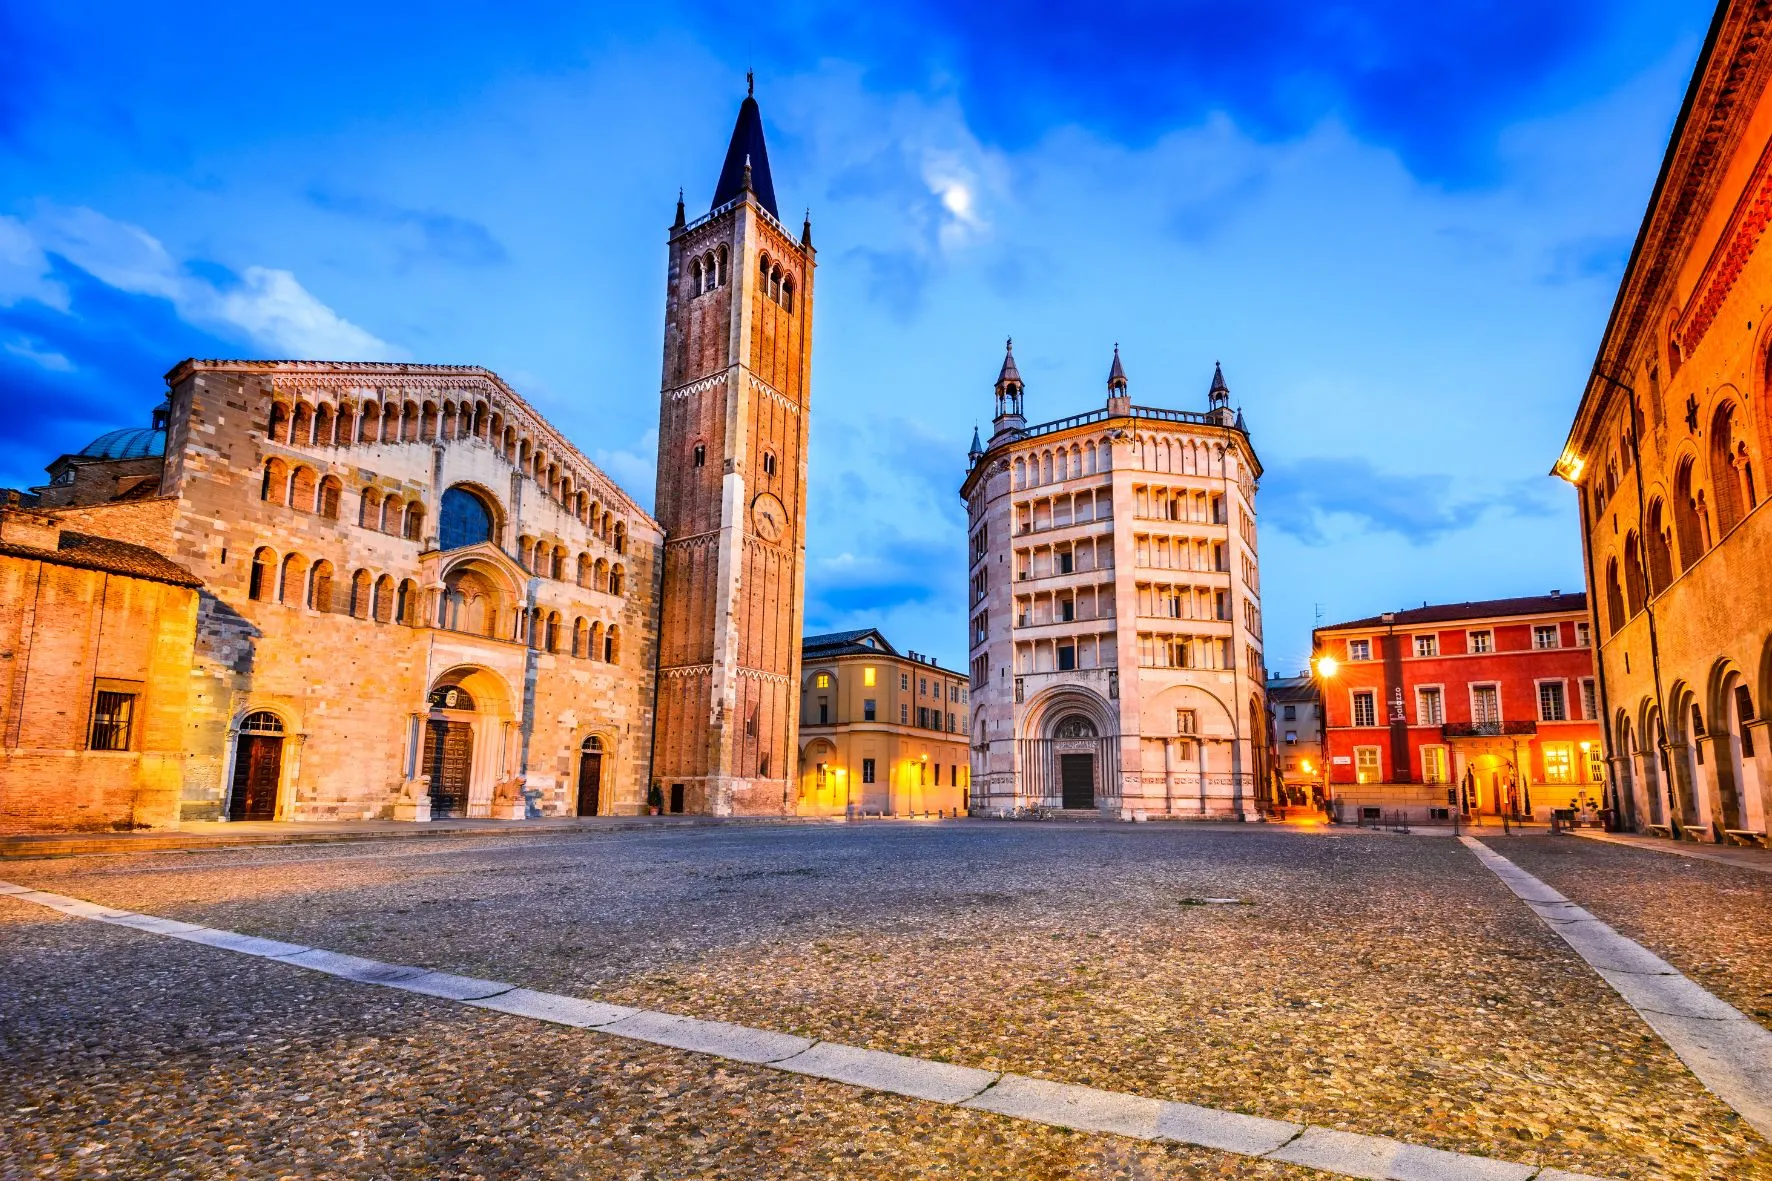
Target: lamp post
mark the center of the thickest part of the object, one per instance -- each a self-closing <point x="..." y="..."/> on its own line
<point x="1325" y="667"/>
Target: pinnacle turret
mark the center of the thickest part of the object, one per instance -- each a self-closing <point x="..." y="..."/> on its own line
<point x="1117" y="373"/>
<point x="1008" y="416"/>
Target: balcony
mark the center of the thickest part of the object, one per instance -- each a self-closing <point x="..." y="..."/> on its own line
<point x="1487" y="729"/>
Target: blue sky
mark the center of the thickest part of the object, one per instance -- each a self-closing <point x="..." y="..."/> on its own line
<point x="1398" y="225"/>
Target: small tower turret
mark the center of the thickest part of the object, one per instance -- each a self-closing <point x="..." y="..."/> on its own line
<point x="1119" y="400"/>
<point x="1218" y="398"/>
<point x="1009" y="416"/>
<point x="976" y="451"/>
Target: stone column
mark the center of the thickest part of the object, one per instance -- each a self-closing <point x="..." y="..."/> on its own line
<point x="1757" y="772"/>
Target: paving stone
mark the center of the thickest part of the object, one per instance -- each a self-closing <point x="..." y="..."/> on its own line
<point x="1561" y="912"/>
<point x="941" y="1082"/>
<point x="450" y="987"/>
<point x="152" y="924"/>
<point x="548" y="1006"/>
<point x="244" y="944"/>
<point x="352" y="967"/>
<point x="1412" y="1162"/>
<point x="738" y="1042"/>
<point x="1602" y="947"/>
<point x="1565" y="1175"/>
<point x="1083" y="1108"/>
<point x="1732" y="1058"/>
<point x="13" y="888"/>
<point x="1227" y="1130"/>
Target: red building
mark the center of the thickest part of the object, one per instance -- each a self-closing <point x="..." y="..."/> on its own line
<point x="1487" y="708"/>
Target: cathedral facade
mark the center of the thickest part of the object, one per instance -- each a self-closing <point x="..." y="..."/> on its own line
<point x="1115" y="624"/>
<point x="412" y="597"/>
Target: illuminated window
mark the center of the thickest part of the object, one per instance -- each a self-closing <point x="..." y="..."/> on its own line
<point x="823" y="680"/>
<point x="1366" y="765"/>
<point x="113" y="715"/>
<point x="867" y="677"/>
<point x="1433" y="764"/>
<point x="867" y="770"/>
<point x="1596" y="766"/>
<point x="1559" y="762"/>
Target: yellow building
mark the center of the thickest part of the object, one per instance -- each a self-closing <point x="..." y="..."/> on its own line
<point x="881" y="734"/>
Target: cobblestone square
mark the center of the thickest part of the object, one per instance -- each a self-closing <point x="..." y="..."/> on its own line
<point x="1373" y="983"/>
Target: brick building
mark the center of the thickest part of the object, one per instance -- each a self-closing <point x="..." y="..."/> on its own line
<point x="1668" y="454"/>
<point x="1115" y="620"/>
<point x="882" y="733"/>
<point x="412" y="597"/>
<point x="1486" y="708"/>
<point x="95" y="646"/>
<point x="1297" y="739"/>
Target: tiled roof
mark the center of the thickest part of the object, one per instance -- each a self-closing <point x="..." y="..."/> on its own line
<point x="113" y="557"/>
<point x="845" y="643"/>
<point x="1575" y="604"/>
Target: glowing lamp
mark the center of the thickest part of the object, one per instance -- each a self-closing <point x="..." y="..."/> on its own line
<point x="1326" y="666"/>
<point x="1569" y="466"/>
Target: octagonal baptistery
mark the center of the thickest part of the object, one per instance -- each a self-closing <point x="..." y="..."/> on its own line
<point x="1115" y="618"/>
<point x="421" y="600"/>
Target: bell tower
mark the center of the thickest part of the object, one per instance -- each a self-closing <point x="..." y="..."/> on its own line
<point x="732" y="439"/>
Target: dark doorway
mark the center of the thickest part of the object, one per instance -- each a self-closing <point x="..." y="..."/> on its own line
<point x="676" y="797"/>
<point x="449" y="760"/>
<point x="258" y="766"/>
<point x="1077" y="780"/>
<point x="590" y="776"/>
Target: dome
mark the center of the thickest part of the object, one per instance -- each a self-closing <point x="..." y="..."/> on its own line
<point x="128" y="443"/>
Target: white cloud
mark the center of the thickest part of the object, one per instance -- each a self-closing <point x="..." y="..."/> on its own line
<point x="634" y="468"/>
<point x="24" y="269"/>
<point x="269" y="307"/>
<point x="49" y="359"/>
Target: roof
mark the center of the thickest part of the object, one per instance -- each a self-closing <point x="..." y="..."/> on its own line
<point x="86" y="552"/>
<point x="1288" y="687"/>
<point x="849" y="643"/>
<point x="1009" y="372"/>
<point x="1117" y="373"/>
<point x="747" y="147"/>
<point x="1218" y="386"/>
<point x="1555" y="604"/>
<point x="126" y="443"/>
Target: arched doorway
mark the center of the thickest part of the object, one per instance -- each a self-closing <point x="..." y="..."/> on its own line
<point x="449" y="750"/>
<point x="590" y="776"/>
<point x="1074" y="743"/>
<point x="258" y="767"/>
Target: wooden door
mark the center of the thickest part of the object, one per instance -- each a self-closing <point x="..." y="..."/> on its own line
<point x="258" y="766"/>
<point x="590" y="780"/>
<point x="449" y="760"/>
<point x="1077" y="780"/>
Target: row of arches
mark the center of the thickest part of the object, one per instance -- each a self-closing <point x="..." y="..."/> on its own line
<point x="555" y="562"/>
<point x="1699" y="765"/>
<point x="774" y="283"/>
<point x="1190" y="457"/>
<point x="1063" y="463"/>
<point x="473" y="600"/>
<point x="300" y="487"/>
<point x="296" y="581"/>
<point x="325" y="424"/>
<point x="1683" y="525"/>
<point x="707" y="272"/>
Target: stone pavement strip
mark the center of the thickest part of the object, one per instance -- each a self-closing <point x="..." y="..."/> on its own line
<point x="1729" y="1052"/>
<point x="1036" y="1100"/>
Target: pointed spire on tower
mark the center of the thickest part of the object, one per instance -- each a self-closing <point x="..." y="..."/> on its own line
<point x="1218" y="398"/>
<point x="977" y="448"/>
<point x="747" y="153"/>
<point x="1008" y="373"/>
<point x="1241" y="425"/>
<point x="1117" y="374"/>
<point x="680" y="222"/>
<point x="806" y="229"/>
<point x="1218" y="385"/>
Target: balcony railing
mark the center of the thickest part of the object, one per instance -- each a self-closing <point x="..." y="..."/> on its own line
<point x="1487" y="729"/>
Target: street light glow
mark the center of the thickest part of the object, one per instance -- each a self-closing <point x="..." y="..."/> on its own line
<point x="1326" y="666"/>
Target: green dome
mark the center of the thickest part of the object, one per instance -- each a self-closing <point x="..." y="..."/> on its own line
<point x="128" y="443"/>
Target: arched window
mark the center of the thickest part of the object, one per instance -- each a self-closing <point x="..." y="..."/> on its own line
<point x="787" y="294"/>
<point x="595" y="651"/>
<point x="391" y="416"/>
<point x="331" y="491"/>
<point x="1614" y="597"/>
<point x="427" y="424"/>
<point x="1634" y="594"/>
<point x="696" y="283"/>
<point x="264" y="566"/>
<point x="553" y="632"/>
<point x="1686" y="524"/>
<point x="279" y="422"/>
<point x="323" y="425"/>
<point x="294" y="581"/>
<point x="320" y="586"/>
<point x="406" y="602"/>
<point x="558" y="572"/>
<point x="409" y="423"/>
<point x="347" y="433"/>
<point x="700" y="454"/>
<point x="1725" y="475"/>
<point x="1661" y="558"/>
<point x="369" y="425"/>
<point x="361" y="596"/>
<point x="391" y="511"/>
<point x="600" y="575"/>
<point x="616" y="577"/>
<point x="301" y="489"/>
<point x="584" y="569"/>
<point x="369" y="509"/>
<point x="470" y="602"/>
<point x="464" y="520"/>
<point x="621" y="537"/>
<point x="720" y="267"/>
<point x="384" y="599"/>
<point x="612" y="644"/>
<point x="581" y="637"/>
<point x="276" y="482"/>
<point x="415" y="520"/>
<point x="303" y="431"/>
